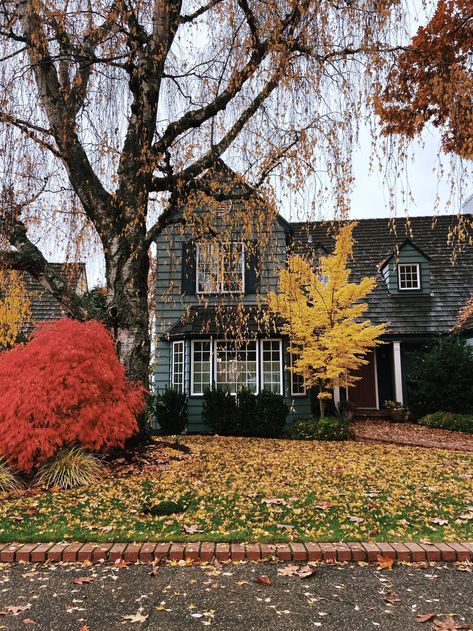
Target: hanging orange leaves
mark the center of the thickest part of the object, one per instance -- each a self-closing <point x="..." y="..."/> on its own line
<point x="432" y="80"/>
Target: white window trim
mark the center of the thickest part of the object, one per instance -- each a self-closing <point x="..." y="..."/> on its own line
<point x="214" y="362"/>
<point x="296" y="394"/>
<point x="200" y="394"/>
<point x="175" y="343"/>
<point x="221" y="290"/>
<point x="417" y="265"/>
<point x="261" y="344"/>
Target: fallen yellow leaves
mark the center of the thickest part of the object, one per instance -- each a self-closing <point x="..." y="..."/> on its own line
<point x="242" y="489"/>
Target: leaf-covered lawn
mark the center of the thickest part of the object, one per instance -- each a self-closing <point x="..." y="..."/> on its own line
<point x="237" y="489"/>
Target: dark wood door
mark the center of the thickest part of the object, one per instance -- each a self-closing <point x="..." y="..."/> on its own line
<point x="363" y="394"/>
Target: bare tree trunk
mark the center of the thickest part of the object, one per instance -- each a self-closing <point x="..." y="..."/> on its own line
<point x="127" y="266"/>
<point x="322" y="407"/>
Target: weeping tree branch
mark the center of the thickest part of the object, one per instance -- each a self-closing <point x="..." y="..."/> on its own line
<point x="28" y="258"/>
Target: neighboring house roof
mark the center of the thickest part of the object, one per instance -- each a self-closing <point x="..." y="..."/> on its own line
<point x="407" y="314"/>
<point x="43" y="305"/>
<point x="249" y="321"/>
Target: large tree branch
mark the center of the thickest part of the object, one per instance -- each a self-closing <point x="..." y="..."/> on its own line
<point x="216" y="150"/>
<point x="30" y="130"/>
<point x="27" y="257"/>
<point x="185" y="19"/>
<point x="61" y="118"/>
<point x="276" y="41"/>
<point x="147" y="58"/>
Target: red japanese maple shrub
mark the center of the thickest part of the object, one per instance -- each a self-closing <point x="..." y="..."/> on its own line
<point x="66" y="385"/>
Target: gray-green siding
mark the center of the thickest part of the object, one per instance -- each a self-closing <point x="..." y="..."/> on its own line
<point x="171" y="305"/>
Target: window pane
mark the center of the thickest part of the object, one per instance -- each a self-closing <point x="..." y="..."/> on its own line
<point x="177" y="377"/>
<point x="200" y="366"/>
<point x="297" y="384"/>
<point x="219" y="267"/>
<point x="271" y="366"/>
<point x="236" y="366"/>
<point x="297" y="381"/>
<point x="232" y="267"/>
<point x="408" y="276"/>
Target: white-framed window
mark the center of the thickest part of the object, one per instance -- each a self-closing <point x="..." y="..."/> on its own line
<point x="409" y="275"/>
<point x="297" y="383"/>
<point x="177" y="366"/>
<point x="220" y="267"/>
<point x="271" y="365"/>
<point x="201" y="366"/>
<point x="236" y="365"/>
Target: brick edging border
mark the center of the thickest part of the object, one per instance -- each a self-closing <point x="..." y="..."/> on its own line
<point x="207" y="551"/>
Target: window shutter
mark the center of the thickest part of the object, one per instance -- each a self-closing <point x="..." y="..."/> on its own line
<point x="188" y="274"/>
<point x="251" y="268"/>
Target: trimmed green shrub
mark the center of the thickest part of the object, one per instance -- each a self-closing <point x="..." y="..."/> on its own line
<point x="314" y="428"/>
<point x="70" y="467"/>
<point x="219" y="411"/>
<point x="304" y="429"/>
<point x="334" y="428"/>
<point x="9" y="481"/>
<point x="170" y="408"/>
<point x="272" y="411"/>
<point x="448" y="420"/>
<point x="442" y="379"/>
<point x="245" y="414"/>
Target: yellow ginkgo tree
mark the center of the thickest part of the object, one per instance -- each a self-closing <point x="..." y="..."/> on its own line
<point x="15" y="307"/>
<point x="322" y="314"/>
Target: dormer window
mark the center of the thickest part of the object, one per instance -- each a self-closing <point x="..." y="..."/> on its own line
<point x="409" y="276"/>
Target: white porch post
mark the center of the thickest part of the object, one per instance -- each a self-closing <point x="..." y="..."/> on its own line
<point x="397" y="372"/>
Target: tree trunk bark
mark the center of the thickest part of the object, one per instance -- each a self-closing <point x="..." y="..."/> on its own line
<point x="127" y="266"/>
<point x="322" y="407"/>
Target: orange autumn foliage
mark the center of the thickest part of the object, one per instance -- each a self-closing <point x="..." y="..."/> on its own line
<point x="64" y="386"/>
<point x="432" y="80"/>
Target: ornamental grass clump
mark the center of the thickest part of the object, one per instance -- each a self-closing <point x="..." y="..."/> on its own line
<point x="9" y="482"/>
<point x="70" y="467"/>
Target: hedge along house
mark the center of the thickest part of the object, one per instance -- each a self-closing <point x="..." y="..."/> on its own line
<point x="213" y="330"/>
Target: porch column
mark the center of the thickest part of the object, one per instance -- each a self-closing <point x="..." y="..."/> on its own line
<point x="397" y="372"/>
<point x="336" y="395"/>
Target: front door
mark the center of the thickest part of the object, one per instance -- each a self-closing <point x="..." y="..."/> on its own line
<point x="363" y="394"/>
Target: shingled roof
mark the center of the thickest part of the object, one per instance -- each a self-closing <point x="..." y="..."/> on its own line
<point x="375" y="241"/>
<point x="236" y="321"/>
<point x="43" y="305"/>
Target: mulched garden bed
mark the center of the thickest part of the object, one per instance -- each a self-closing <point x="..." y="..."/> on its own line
<point x="410" y="434"/>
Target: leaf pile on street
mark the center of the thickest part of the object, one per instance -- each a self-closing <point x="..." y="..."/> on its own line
<point x="241" y="489"/>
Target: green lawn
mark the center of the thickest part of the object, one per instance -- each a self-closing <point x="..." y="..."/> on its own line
<point x="237" y="489"/>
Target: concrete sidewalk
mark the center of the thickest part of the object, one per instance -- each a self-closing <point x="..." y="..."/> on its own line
<point x="78" y="597"/>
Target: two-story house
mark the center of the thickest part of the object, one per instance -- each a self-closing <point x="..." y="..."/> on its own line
<point x="213" y="330"/>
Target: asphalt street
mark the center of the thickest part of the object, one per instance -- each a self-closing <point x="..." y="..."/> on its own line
<point x="71" y="597"/>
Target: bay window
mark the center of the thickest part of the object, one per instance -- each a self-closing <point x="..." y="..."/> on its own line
<point x="200" y="366"/>
<point x="236" y="366"/>
<point x="271" y="365"/>
<point x="177" y="367"/>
